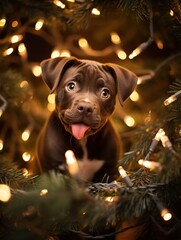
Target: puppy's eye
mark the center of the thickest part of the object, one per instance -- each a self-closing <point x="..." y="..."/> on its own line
<point x="105" y="93"/>
<point x="70" y="86"/>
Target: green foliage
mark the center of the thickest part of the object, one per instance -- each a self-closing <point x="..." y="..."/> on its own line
<point x="10" y="87"/>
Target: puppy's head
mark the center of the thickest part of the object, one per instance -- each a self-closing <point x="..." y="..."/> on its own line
<point x="86" y="92"/>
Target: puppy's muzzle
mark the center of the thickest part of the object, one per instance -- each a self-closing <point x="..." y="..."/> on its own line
<point x="85" y="108"/>
<point x="83" y="111"/>
<point x="82" y="118"/>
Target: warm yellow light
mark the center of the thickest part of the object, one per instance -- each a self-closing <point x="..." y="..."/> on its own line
<point x="135" y="53"/>
<point x="51" y="98"/>
<point x="122" y="172"/>
<point x="145" y="163"/>
<point x="166" y="141"/>
<point x="140" y="161"/>
<point x="14" y="24"/>
<point x="51" y="107"/>
<point x="144" y="78"/>
<point x="71" y="1"/>
<point x="166" y="215"/>
<point x="22" y="49"/>
<point x="130" y="122"/>
<point x="71" y="162"/>
<point x="26" y="156"/>
<point x="5" y="193"/>
<point x="2" y="22"/>
<point x="1" y="144"/>
<point x="65" y="53"/>
<point x="149" y="164"/>
<point x="39" y="24"/>
<point x="170" y="100"/>
<point x="1" y="112"/>
<point x="55" y="53"/>
<point x="25" y="135"/>
<point x="70" y="157"/>
<point x="95" y="11"/>
<point x="83" y="43"/>
<point x="171" y="13"/>
<point x="115" y="38"/>
<point x="59" y="4"/>
<point x="25" y="172"/>
<point x="16" y="38"/>
<point x="109" y="199"/>
<point x="24" y="84"/>
<point x="43" y="192"/>
<point x="159" y="44"/>
<point x="134" y="96"/>
<point x="121" y="54"/>
<point x="8" y="51"/>
<point x="159" y="134"/>
<point x="36" y="70"/>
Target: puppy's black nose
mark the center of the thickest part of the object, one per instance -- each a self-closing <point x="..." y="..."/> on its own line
<point x="85" y="108"/>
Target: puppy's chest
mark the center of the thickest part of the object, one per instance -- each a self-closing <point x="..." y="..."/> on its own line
<point x="88" y="167"/>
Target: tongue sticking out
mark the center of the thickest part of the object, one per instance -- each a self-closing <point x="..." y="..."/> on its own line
<point x="78" y="130"/>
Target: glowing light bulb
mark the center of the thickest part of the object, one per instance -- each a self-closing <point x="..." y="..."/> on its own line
<point x="109" y="199"/>
<point x="171" y="13"/>
<point x="95" y="11"/>
<point x="166" y="215"/>
<point x="172" y="98"/>
<point x="14" y="24"/>
<point x="24" y="84"/>
<point x="115" y="38"/>
<point x="8" y="51"/>
<point x="159" y="44"/>
<point x="121" y="54"/>
<point x="51" y="107"/>
<point x="122" y="172"/>
<point x="169" y="100"/>
<point x="25" y="172"/>
<point x="36" y="70"/>
<point x="55" y="53"/>
<point x="26" y="156"/>
<point x="124" y="175"/>
<point x="135" y="53"/>
<point x="134" y="96"/>
<point x="1" y="144"/>
<point x="83" y="43"/>
<point x="59" y="4"/>
<point x="1" y="112"/>
<point x="65" y="53"/>
<point x="145" y="78"/>
<point x="25" y="135"/>
<point x="43" y="192"/>
<point x="51" y="98"/>
<point x="72" y="163"/>
<point x="159" y="134"/>
<point x="39" y="24"/>
<point x="5" y="193"/>
<point x="149" y="164"/>
<point x="22" y="49"/>
<point x="130" y="122"/>
<point x="16" y="38"/>
<point x="2" y="22"/>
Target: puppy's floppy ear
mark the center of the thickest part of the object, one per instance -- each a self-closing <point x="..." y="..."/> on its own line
<point x="53" y="69"/>
<point x="126" y="81"/>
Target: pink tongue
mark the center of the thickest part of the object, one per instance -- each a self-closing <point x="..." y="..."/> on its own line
<point x="78" y="130"/>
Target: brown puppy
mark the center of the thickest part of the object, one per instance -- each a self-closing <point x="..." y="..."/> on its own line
<point x="85" y="98"/>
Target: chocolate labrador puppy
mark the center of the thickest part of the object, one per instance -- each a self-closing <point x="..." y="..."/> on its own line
<point x="85" y="99"/>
